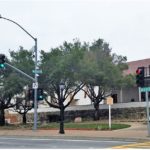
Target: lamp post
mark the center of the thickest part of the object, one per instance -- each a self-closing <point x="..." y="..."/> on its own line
<point x="61" y="87"/>
<point x="36" y="67"/>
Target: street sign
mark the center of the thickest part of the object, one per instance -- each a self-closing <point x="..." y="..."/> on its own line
<point x="37" y="71"/>
<point x="145" y="89"/>
<point x="35" y="85"/>
<point x="109" y="100"/>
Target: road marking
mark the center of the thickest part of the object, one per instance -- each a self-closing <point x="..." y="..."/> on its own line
<point x="77" y="140"/>
<point x="134" y="145"/>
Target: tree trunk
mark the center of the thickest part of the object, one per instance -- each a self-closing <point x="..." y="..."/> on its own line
<point x="24" y="118"/>
<point x="96" y="113"/>
<point x="61" y="131"/>
<point x="2" y="117"/>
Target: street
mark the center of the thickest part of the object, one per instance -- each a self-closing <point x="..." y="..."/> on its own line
<point x="54" y="143"/>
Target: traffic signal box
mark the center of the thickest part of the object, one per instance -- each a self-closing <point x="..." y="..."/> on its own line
<point x="140" y="76"/>
<point x="2" y="61"/>
<point x="31" y="94"/>
<point x="39" y="94"/>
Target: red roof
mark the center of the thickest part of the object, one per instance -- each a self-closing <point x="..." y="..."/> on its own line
<point x="133" y="65"/>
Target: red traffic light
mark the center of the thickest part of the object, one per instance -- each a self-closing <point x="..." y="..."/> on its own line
<point x="140" y="77"/>
<point x="138" y="71"/>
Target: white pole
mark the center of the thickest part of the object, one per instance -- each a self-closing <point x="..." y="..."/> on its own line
<point x="109" y="116"/>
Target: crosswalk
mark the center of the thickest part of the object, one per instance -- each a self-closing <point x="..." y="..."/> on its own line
<point x="142" y="145"/>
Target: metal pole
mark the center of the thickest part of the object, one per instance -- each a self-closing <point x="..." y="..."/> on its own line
<point x="139" y="94"/>
<point x="61" y="130"/>
<point x="18" y="70"/>
<point x="35" y="89"/>
<point x="35" y="77"/>
<point x="147" y="110"/>
<point x="17" y="25"/>
<point x="109" y="116"/>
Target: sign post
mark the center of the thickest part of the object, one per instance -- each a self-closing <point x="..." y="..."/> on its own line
<point x="147" y="110"/>
<point x="146" y="90"/>
<point x="109" y="101"/>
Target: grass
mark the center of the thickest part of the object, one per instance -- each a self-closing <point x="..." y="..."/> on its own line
<point x="77" y="126"/>
<point x="86" y="126"/>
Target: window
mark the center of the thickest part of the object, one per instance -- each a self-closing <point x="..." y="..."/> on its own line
<point x="114" y="96"/>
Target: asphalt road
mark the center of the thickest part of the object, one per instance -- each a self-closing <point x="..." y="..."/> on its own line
<point x="55" y="143"/>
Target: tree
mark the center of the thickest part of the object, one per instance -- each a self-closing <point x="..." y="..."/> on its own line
<point x="62" y="65"/>
<point x="13" y="82"/>
<point x="6" y="93"/>
<point x="5" y="103"/>
<point x="23" y="60"/>
<point x="23" y="105"/>
<point x="102" y="72"/>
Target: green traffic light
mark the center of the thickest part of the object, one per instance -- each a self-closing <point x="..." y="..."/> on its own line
<point x="2" y="65"/>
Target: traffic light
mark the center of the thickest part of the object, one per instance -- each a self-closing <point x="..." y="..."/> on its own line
<point x="2" y="61"/>
<point x="40" y="95"/>
<point x="31" y="94"/>
<point x="140" y="76"/>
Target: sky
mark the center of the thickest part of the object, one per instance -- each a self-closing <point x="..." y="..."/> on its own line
<point x="124" y="24"/>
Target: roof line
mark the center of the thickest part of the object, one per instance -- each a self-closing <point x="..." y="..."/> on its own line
<point x="139" y="60"/>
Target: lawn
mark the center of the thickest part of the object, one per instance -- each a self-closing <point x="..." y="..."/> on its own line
<point x="85" y="126"/>
<point x="77" y="126"/>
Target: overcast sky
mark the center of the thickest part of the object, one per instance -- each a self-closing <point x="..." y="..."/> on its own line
<point x="124" y="24"/>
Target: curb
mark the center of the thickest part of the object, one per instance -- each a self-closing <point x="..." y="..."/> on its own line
<point x="80" y="137"/>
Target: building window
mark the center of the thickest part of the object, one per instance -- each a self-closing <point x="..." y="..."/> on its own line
<point x="114" y="96"/>
<point x="143" y="96"/>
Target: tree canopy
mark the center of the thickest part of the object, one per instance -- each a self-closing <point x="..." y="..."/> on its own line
<point x="76" y="65"/>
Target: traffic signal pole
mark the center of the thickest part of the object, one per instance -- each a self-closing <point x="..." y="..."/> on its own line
<point x="147" y="111"/>
<point x="36" y="67"/>
<point x="35" y="88"/>
<point x="18" y="70"/>
<point x="140" y="81"/>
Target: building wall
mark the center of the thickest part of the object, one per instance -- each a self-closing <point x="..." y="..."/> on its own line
<point x="128" y="95"/>
<point x="133" y="65"/>
<point x="82" y="99"/>
<point x="133" y="111"/>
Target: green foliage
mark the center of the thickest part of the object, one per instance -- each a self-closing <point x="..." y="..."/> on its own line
<point x="99" y="66"/>
<point x="23" y="60"/>
<point x="87" y="126"/>
<point x="12" y="81"/>
<point x="128" y="81"/>
<point x="75" y="64"/>
<point x="78" y="126"/>
<point x="62" y="64"/>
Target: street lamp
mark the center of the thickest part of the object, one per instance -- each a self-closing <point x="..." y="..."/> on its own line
<point x="36" y="67"/>
<point x="61" y="87"/>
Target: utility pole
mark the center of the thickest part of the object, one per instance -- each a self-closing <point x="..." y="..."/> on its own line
<point x="36" y="87"/>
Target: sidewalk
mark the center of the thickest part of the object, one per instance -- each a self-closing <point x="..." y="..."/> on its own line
<point x="137" y="131"/>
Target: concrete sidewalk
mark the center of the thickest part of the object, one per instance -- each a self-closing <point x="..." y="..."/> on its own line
<point x="137" y="131"/>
